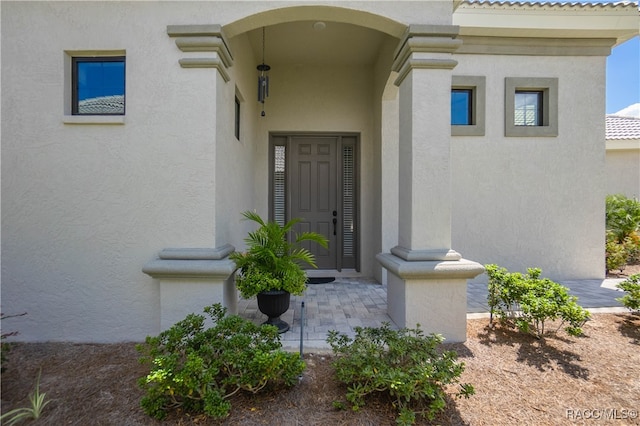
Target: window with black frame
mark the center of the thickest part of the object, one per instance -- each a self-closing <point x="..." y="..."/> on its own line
<point x="528" y="108"/>
<point x="468" y="105"/>
<point x="98" y="85"/>
<point x="531" y="107"/>
<point x="461" y="107"/>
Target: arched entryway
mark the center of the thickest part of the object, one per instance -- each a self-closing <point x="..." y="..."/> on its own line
<point x="339" y="87"/>
<point x="329" y="67"/>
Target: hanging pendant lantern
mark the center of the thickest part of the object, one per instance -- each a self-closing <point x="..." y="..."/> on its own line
<point x="263" y="79"/>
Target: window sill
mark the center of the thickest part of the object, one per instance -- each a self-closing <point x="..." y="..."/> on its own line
<point x="531" y="131"/>
<point x="467" y="130"/>
<point x="93" y="119"/>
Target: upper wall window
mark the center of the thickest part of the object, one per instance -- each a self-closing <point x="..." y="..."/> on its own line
<point x="531" y="107"/>
<point x="237" y="118"/>
<point x="467" y="105"/>
<point x="461" y="106"/>
<point x="528" y="108"/>
<point x="98" y="85"/>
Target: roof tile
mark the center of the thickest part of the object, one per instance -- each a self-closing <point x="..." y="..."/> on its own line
<point x="622" y="127"/>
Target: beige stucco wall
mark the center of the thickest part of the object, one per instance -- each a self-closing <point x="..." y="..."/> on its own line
<point x="85" y="206"/>
<point x="623" y="169"/>
<point x="534" y="202"/>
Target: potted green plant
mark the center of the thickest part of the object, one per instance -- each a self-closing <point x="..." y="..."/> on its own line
<point x="271" y="267"/>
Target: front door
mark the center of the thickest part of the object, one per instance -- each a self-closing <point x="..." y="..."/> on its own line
<point x="313" y="178"/>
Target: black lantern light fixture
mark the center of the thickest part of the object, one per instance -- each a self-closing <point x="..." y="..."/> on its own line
<point x="263" y="78"/>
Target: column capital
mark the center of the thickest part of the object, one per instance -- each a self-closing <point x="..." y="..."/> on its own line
<point x="430" y="269"/>
<point x="203" y="38"/>
<point x="190" y="263"/>
<point x="425" y="255"/>
<point x="435" y="39"/>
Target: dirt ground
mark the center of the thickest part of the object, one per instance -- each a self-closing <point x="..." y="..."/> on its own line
<point x="626" y="272"/>
<point x="518" y="380"/>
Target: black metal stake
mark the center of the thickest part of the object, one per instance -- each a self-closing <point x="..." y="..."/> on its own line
<point x="301" y="330"/>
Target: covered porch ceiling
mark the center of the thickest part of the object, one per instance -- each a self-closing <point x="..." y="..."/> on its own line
<point x="317" y="43"/>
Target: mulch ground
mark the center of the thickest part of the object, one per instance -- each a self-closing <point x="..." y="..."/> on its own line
<point x="518" y="380"/>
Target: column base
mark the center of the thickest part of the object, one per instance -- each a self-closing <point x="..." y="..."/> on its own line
<point x="192" y="278"/>
<point x="430" y="293"/>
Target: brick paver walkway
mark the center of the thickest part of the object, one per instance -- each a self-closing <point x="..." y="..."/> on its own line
<point x="357" y="301"/>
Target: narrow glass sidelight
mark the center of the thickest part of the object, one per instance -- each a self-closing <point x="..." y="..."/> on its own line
<point x="348" y="201"/>
<point x="279" y="185"/>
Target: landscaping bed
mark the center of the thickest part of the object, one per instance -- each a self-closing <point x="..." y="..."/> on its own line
<point x="518" y="379"/>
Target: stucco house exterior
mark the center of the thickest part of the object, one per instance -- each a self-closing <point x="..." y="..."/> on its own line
<point x="412" y="133"/>
<point x="623" y="155"/>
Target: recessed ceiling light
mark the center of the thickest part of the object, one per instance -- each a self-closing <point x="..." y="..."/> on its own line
<point x="319" y="26"/>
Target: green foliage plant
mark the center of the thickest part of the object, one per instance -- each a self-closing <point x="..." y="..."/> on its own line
<point x="272" y="261"/>
<point x="528" y="302"/>
<point x="616" y="253"/>
<point x="198" y="369"/>
<point x="632" y="246"/>
<point x="623" y="231"/>
<point x="405" y="364"/>
<point x="622" y="215"/>
<point x="34" y="411"/>
<point x="632" y="287"/>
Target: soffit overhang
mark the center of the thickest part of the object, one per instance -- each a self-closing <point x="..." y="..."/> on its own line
<point x="560" y="20"/>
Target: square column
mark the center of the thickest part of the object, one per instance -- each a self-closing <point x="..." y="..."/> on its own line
<point x="427" y="280"/>
<point x="192" y="278"/>
<point x="424" y="64"/>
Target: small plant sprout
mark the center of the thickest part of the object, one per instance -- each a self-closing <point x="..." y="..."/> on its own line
<point x="38" y="402"/>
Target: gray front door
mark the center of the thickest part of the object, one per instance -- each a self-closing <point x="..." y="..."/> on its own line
<point x="314" y="177"/>
<point x="312" y="181"/>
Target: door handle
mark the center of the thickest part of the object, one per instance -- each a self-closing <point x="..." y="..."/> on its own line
<point x="335" y="221"/>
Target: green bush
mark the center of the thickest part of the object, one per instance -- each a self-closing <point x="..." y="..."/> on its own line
<point x="404" y="364"/>
<point x="622" y="215"/>
<point x="527" y="301"/>
<point x="623" y="231"/>
<point x="632" y="246"/>
<point x="199" y="369"/>
<point x="632" y="286"/>
<point x="616" y="253"/>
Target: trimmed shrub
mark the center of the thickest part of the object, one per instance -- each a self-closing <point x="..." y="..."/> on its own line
<point x="198" y="369"/>
<point x="616" y="253"/>
<point x="623" y="231"/>
<point x="527" y="302"/>
<point x="622" y="215"/>
<point x="632" y="286"/>
<point x="404" y="364"/>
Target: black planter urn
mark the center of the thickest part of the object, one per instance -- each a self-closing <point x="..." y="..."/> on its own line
<point x="273" y="304"/>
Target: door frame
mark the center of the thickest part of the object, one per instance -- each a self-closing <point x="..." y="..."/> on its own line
<point x="284" y="139"/>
